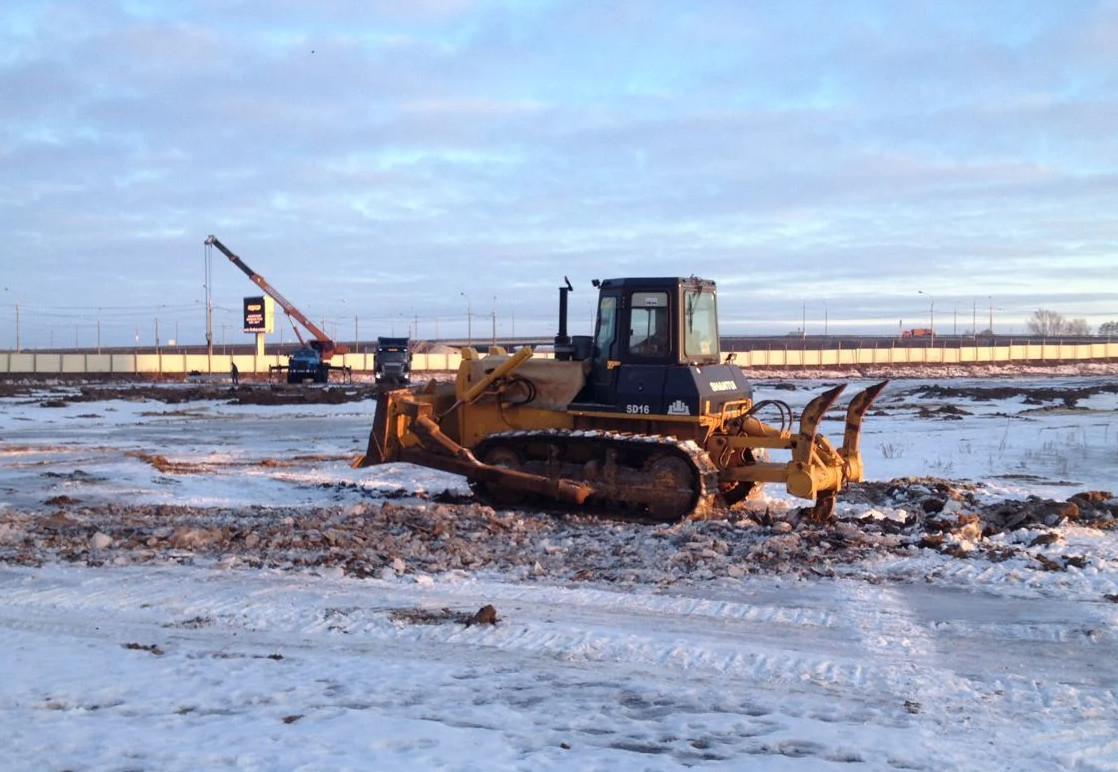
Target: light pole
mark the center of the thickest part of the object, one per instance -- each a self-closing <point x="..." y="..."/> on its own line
<point x="494" y="320"/>
<point x="208" y="284"/>
<point x="824" y="318"/>
<point x="469" y="320"/>
<point x="19" y="342"/>
<point x="931" y="311"/>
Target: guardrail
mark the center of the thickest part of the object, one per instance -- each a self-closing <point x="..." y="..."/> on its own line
<point x="76" y="363"/>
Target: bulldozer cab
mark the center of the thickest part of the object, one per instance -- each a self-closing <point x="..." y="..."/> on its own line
<point x="666" y="321"/>
<point x="645" y="326"/>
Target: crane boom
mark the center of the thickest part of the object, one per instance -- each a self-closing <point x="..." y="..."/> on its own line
<point x="322" y="341"/>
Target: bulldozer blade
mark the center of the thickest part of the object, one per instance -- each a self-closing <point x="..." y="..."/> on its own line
<point x="377" y="450"/>
<point x="854" y="414"/>
<point x="438" y="451"/>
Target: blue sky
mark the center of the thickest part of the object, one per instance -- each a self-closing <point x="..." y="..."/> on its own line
<point x="868" y="163"/>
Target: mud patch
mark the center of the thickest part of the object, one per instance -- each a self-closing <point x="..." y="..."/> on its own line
<point x="166" y="466"/>
<point x="391" y="539"/>
<point x="1035" y="395"/>
<point x="63" y="395"/>
<point x="486" y="615"/>
<point x="945" y="412"/>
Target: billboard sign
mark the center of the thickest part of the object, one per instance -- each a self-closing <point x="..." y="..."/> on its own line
<point x="260" y="314"/>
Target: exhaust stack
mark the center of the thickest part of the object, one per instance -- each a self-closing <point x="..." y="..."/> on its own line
<point x="564" y="349"/>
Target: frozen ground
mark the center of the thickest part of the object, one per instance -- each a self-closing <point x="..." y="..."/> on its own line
<point x="206" y="585"/>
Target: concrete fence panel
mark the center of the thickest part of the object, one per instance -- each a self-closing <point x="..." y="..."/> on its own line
<point x="174" y="363"/>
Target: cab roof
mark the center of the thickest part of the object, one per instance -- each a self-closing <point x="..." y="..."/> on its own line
<point x="656" y="282"/>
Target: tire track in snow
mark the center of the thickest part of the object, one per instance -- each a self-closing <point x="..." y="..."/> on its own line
<point x="755" y="676"/>
<point x="459" y="679"/>
<point x="969" y="661"/>
<point x="900" y="647"/>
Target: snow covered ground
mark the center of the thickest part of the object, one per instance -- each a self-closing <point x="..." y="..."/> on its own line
<point x="997" y="654"/>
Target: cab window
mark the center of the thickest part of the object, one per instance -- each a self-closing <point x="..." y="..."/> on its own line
<point x="607" y="327"/>
<point x="649" y="324"/>
<point x="700" y="325"/>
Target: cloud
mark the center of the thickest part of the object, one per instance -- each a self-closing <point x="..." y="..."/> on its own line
<point x="396" y="155"/>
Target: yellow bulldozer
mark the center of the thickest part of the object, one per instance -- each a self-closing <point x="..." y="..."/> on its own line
<point x="643" y="418"/>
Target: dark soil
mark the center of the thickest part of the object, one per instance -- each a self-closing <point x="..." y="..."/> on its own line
<point x="253" y="393"/>
<point x="431" y="535"/>
<point x="1032" y="395"/>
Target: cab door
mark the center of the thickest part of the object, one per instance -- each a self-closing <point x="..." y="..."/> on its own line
<point x="603" y="370"/>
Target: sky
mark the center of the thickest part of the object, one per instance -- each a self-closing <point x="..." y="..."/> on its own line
<point x="430" y="168"/>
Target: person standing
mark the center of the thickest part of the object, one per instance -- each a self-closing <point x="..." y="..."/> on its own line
<point x="235" y="374"/>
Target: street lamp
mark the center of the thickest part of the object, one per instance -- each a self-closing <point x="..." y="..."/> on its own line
<point x="19" y="342"/>
<point x="207" y="254"/>
<point x="931" y="311"/>
<point x="469" y="320"/>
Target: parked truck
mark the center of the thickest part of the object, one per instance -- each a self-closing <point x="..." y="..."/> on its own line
<point x="392" y="361"/>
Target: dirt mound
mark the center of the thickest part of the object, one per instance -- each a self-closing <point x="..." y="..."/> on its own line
<point x="300" y="395"/>
<point x="1032" y="395"/>
<point x="437" y="534"/>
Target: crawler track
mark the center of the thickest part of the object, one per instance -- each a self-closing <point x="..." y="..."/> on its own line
<point x="646" y="477"/>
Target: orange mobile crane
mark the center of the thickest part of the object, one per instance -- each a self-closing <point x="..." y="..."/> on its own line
<point x="311" y="361"/>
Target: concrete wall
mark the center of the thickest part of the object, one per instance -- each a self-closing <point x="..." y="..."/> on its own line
<point x="920" y="355"/>
<point x="47" y="363"/>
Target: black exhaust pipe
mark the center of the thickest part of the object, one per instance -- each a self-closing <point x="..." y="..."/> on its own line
<point x="564" y="350"/>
